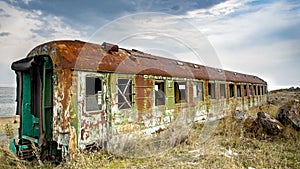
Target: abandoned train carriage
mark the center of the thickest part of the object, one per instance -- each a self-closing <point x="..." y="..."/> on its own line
<point x="72" y="94"/>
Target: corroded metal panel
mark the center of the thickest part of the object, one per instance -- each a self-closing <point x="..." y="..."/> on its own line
<point x="144" y="93"/>
<point x="75" y="127"/>
<point x="87" y="56"/>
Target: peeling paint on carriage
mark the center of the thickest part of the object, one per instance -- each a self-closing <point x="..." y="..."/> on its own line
<point x="86" y="115"/>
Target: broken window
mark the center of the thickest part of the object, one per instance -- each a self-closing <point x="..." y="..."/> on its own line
<point x="198" y="91"/>
<point x="231" y="90"/>
<point x="245" y="90"/>
<point x="212" y="90"/>
<point x="180" y="92"/>
<point x="159" y="93"/>
<point x="124" y="93"/>
<point x="93" y="93"/>
<point x="222" y="91"/>
<point x="239" y="92"/>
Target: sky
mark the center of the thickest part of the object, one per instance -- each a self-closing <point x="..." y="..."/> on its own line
<point x="258" y="37"/>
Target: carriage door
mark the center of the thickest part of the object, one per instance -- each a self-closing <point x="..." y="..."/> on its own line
<point x="93" y="109"/>
<point x="34" y="100"/>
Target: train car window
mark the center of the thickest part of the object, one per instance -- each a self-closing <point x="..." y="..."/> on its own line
<point x="93" y="92"/>
<point x="212" y="90"/>
<point x="159" y="93"/>
<point x="245" y="90"/>
<point x="266" y="90"/>
<point x="250" y="90"/>
<point x="239" y="92"/>
<point x="180" y="92"/>
<point x="259" y="88"/>
<point x="198" y="91"/>
<point x="124" y="93"/>
<point x="255" y="91"/>
<point x="222" y="91"/>
<point x="231" y="90"/>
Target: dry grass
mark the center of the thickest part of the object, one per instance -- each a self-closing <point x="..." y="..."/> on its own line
<point x="226" y="146"/>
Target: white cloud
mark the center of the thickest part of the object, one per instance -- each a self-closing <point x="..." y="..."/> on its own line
<point x="27" y="29"/>
<point x="24" y="1"/>
<point x="261" y="39"/>
<point x="220" y="9"/>
<point x="159" y="34"/>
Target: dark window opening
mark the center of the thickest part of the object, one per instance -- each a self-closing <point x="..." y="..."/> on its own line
<point x="250" y="90"/>
<point x="259" y="88"/>
<point x="255" y="91"/>
<point x="93" y="93"/>
<point x="239" y="92"/>
<point x="245" y="90"/>
<point x="124" y="93"/>
<point x="231" y="90"/>
<point x="222" y="91"/>
<point x="198" y="91"/>
<point x="180" y="92"/>
<point x="212" y="90"/>
<point x="159" y="93"/>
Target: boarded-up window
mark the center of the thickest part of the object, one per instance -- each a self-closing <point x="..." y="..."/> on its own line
<point x="159" y="93"/>
<point x="198" y="91"/>
<point x="124" y="93"/>
<point x="231" y="90"/>
<point x="222" y="91"/>
<point x="180" y="92"/>
<point x="239" y="92"/>
<point x="93" y="93"/>
<point x="212" y="90"/>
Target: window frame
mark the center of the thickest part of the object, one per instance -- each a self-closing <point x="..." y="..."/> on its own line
<point x="212" y="90"/>
<point x="163" y="89"/>
<point x="223" y="93"/>
<point x="198" y="91"/>
<point x="231" y="90"/>
<point x="238" y="90"/>
<point x="88" y="95"/>
<point x="245" y="89"/>
<point x="124" y="94"/>
<point x="178" y="93"/>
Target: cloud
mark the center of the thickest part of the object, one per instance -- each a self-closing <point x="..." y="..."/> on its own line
<point x="28" y="28"/>
<point x="254" y="38"/>
<point x="4" y="34"/>
<point x="220" y="9"/>
<point x="18" y="1"/>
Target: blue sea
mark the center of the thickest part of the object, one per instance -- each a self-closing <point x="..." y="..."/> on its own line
<point x="7" y="101"/>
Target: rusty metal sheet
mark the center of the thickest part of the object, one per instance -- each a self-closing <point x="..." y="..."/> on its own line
<point x="94" y="57"/>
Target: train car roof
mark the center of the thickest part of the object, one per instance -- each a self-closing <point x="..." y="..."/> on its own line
<point x="79" y="55"/>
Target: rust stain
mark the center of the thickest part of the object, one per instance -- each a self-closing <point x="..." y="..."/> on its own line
<point x="69" y="91"/>
<point x="88" y="56"/>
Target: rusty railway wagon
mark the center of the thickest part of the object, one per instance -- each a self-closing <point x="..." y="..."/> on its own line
<point x="73" y="94"/>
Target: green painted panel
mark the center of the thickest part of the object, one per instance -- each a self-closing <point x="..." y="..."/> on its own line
<point x="29" y="122"/>
<point x="47" y="98"/>
<point x="170" y="100"/>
